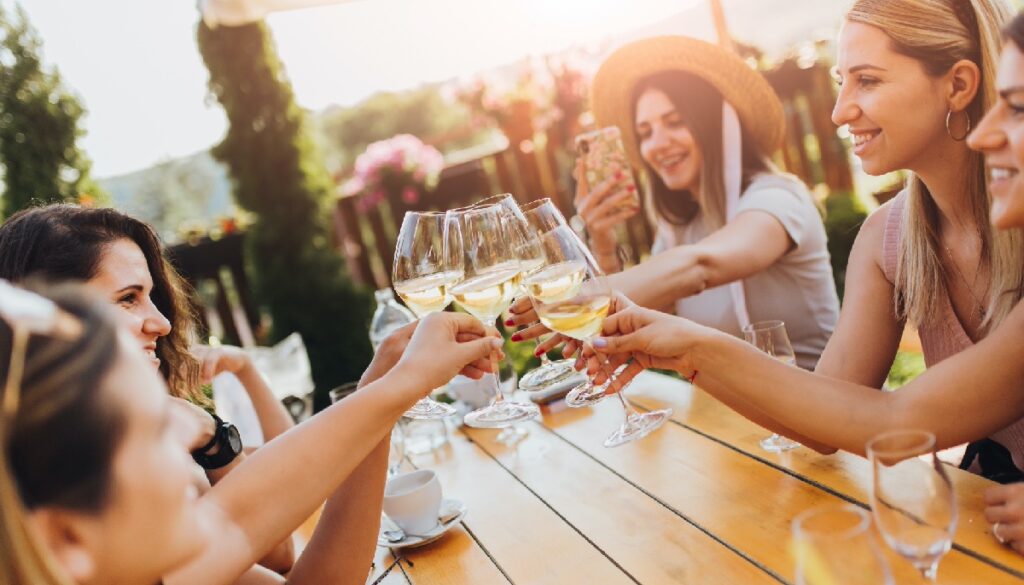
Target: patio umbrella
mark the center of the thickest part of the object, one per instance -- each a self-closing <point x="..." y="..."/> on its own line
<point x="239" y="12"/>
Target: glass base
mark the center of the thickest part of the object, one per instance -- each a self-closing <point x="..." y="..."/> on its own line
<point x="429" y="409"/>
<point x="542" y="377"/>
<point x="585" y="395"/>
<point x="501" y="414"/>
<point x="778" y="444"/>
<point x="638" y="426"/>
<point x="511" y="435"/>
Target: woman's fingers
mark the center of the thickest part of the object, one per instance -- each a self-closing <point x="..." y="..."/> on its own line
<point x="549" y="344"/>
<point x="531" y="332"/>
<point x="623" y="378"/>
<point x="526" y="317"/>
<point x="615" y="218"/>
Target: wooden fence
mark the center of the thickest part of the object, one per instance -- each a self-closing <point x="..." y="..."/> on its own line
<point x="538" y="164"/>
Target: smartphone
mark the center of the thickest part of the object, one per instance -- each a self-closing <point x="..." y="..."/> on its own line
<point x="603" y="154"/>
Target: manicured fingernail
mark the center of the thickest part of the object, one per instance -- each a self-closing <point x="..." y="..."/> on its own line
<point x="510" y="322"/>
<point x="538" y="353"/>
<point x="631" y="188"/>
<point x="517" y="337"/>
<point x="618" y="174"/>
<point x="600" y="342"/>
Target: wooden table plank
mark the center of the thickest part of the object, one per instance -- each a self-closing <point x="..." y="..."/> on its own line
<point x="461" y="561"/>
<point x="524" y="538"/>
<point x="845" y="473"/>
<point x="647" y="540"/>
<point x="743" y="501"/>
<point x="385" y="571"/>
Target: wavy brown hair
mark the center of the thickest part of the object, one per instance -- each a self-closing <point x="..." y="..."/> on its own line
<point x="700" y="106"/>
<point x="66" y="242"/>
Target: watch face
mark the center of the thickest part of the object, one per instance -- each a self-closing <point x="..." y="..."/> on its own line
<point x="234" y="439"/>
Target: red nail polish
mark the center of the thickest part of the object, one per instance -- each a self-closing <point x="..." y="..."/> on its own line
<point x="631" y="188"/>
<point x="538" y="353"/>
<point x="510" y="322"/>
<point x="517" y="337"/>
<point x="618" y="174"/>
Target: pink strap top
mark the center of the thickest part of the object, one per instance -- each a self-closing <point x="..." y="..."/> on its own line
<point x="943" y="335"/>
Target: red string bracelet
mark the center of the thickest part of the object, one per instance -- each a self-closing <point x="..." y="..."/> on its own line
<point x="693" y="377"/>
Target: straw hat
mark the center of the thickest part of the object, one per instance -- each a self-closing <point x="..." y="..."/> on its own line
<point x="759" y="109"/>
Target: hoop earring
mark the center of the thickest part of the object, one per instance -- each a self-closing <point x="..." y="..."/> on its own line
<point x="949" y="114"/>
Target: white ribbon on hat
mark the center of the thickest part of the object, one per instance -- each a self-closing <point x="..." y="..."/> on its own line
<point x="732" y="168"/>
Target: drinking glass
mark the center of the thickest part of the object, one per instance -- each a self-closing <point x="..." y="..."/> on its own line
<point x="771" y="338"/>
<point x="542" y="216"/>
<point x="833" y="545"/>
<point x="491" y="275"/>
<point x="912" y="497"/>
<point x="421" y="277"/>
<point x="572" y="297"/>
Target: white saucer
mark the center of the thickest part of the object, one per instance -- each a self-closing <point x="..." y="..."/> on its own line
<point x="448" y="508"/>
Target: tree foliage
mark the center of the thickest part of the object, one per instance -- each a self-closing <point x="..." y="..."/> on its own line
<point x="39" y="124"/>
<point x="278" y="175"/>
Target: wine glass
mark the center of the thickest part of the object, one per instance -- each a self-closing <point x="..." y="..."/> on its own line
<point x="834" y="545"/>
<point x="771" y="338"/>
<point x="542" y="216"/>
<point x="421" y="275"/>
<point x="572" y="297"/>
<point x="912" y="497"/>
<point x="491" y="275"/>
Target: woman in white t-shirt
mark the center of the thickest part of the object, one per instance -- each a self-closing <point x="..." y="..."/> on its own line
<point x="737" y="241"/>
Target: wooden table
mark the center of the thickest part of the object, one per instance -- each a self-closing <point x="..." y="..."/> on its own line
<point x="698" y="501"/>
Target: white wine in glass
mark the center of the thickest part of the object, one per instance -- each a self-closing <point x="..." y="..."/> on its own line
<point x="572" y="297"/>
<point x="542" y="216"/>
<point x="492" y="274"/>
<point x="421" y="275"/>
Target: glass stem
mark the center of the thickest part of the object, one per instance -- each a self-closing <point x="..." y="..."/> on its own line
<point x="496" y="366"/>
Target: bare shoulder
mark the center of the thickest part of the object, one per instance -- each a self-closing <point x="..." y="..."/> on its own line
<point x="872" y="233"/>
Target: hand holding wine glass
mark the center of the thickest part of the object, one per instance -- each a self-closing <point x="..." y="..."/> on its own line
<point x="421" y="275"/>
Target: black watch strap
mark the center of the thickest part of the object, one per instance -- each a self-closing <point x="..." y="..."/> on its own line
<point x="226" y="437"/>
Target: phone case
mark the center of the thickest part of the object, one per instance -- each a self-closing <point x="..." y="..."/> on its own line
<point x="603" y="154"/>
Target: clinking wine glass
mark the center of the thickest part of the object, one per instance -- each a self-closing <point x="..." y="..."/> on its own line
<point x="421" y="277"/>
<point x="834" y="545"/>
<point x="771" y="338"/>
<point x="542" y="216"/>
<point x="572" y="297"/>
<point x="492" y="274"/>
<point x="912" y="498"/>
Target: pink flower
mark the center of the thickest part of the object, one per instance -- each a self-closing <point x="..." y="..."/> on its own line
<point x="410" y="195"/>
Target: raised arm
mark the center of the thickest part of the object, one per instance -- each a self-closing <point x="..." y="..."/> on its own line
<point x="751" y="242"/>
<point x="965" y="397"/>
<point x="298" y="470"/>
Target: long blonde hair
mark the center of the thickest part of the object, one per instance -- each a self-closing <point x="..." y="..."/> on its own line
<point x="57" y="445"/>
<point x="939" y="33"/>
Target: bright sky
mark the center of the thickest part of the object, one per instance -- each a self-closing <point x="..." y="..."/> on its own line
<point x="136" y="67"/>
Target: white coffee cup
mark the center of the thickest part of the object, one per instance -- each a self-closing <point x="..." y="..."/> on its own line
<point x="413" y="501"/>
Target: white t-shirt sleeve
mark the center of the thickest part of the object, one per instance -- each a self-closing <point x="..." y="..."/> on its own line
<point x="784" y="205"/>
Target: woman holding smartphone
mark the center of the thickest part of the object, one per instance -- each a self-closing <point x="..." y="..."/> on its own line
<point x="970" y="395"/>
<point x="737" y="241"/>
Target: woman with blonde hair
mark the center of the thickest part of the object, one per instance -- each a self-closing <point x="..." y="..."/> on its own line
<point x="972" y="394"/>
<point x="915" y="76"/>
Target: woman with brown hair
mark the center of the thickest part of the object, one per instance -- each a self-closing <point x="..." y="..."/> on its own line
<point x="96" y="483"/>
<point x="972" y="394"/>
<point x="737" y="240"/>
<point x="121" y="258"/>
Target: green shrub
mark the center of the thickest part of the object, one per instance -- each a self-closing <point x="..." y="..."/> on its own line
<point x="844" y="214"/>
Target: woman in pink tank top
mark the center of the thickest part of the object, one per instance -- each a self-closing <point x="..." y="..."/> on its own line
<point x="971" y="394"/>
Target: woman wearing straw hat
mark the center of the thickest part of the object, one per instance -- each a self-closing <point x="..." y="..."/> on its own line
<point x="737" y="241"/>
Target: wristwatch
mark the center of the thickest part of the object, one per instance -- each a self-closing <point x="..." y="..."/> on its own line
<point x="226" y="437"/>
